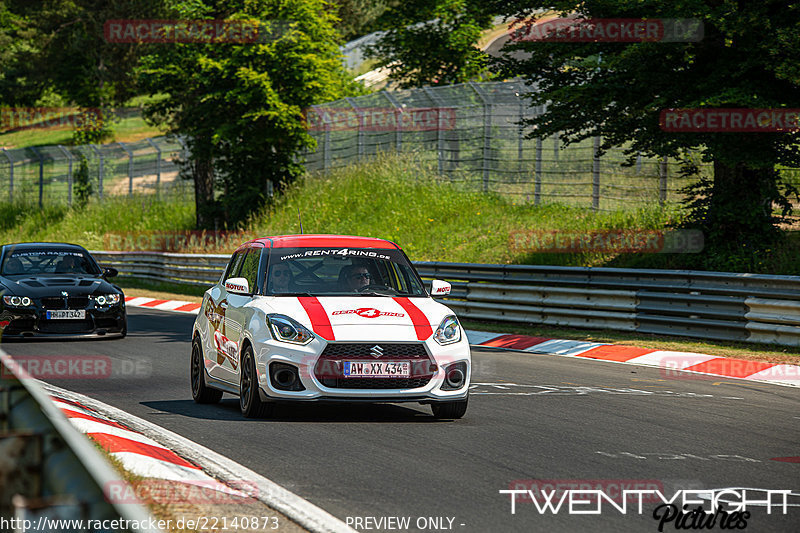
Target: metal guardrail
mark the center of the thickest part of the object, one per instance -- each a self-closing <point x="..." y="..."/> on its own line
<point x="708" y="305"/>
<point x="49" y="471"/>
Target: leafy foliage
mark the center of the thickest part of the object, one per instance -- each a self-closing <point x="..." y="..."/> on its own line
<point x="617" y="90"/>
<point x="241" y="106"/>
<point x="434" y="42"/>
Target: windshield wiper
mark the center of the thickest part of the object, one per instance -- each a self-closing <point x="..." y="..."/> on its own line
<point x="293" y="294"/>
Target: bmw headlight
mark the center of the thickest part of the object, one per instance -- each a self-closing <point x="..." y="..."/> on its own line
<point x="449" y="331"/>
<point x="286" y="329"/>
<point x="107" y="299"/>
<point x="17" y="301"/>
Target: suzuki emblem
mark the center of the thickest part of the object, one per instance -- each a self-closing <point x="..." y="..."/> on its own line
<point x="64" y="294"/>
<point x="376" y="351"/>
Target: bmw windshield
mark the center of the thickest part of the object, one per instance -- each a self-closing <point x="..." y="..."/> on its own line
<point x="340" y="272"/>
<point x="50" y="261"/>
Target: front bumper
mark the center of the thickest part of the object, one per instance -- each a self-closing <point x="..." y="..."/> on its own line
<point x="316" y="372"/>
<point x="99" y="322"/>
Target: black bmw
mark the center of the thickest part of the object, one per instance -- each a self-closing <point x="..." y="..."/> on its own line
<point x="57" y="290"/>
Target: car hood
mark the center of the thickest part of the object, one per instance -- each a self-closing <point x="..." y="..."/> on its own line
<point x="44" y="286"/>
<point x="363" y="317"/>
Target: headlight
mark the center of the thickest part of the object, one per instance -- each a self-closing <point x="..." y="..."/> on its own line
<point x="449" y="331"/>
<point x="17" y="301"/>
<point x="107" y="299"/>
<point x="285" y="329"/>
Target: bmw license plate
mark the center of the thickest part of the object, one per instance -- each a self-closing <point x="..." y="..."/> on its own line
<point x="376" y="369"/>
<point x="67" y="314"/>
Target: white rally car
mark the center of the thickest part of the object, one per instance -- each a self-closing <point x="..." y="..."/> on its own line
<point x="328" y="318"/>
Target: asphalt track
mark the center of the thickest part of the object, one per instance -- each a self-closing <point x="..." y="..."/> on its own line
<point x="530" y="417"/>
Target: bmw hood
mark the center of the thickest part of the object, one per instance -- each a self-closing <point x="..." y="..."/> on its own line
<point x="338" y="318"/>
<point x="44" y="286"/>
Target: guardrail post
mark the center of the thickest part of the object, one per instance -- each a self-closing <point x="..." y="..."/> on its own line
<point x="398" y="134"/>
<point x="439" y="139"/>
<point x="41" y="175"/>
<point x="596" y="173"/>
<point x="130" y="167"/>
<point x="537" y="177"/>
<point x="69" y="173"/>
<point x="662" y="181"/>
<point x="487" y="132"/>
<point x="158" y="162"/>
<point x="10" y="176"/>
<point x="99" y="170"/>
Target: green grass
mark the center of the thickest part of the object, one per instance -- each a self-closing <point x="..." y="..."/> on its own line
<point x="403" y="200"/>
<point x="88" y="226"/>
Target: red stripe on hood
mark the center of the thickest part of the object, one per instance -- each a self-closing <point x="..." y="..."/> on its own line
<point x="319" y="318"/>
<point x="418" y="318"/>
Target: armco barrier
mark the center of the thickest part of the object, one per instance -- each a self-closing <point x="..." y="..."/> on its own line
<point x="708" y="305"/>
<point x="50" y="471"/>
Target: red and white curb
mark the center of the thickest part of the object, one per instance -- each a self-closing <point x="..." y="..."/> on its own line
<point x="151" y="451"/>
<point x="162" y="305"/>
<point x="672" y="363"/>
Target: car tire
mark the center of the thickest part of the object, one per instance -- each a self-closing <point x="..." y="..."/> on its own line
<point x="450" y="410"/>
<point x="249" y="399"/>
<point x="201" y="393"/>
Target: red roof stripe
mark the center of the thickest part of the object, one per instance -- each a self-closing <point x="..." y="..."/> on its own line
<point x="115" y="444"/>
<point x="324" y="241"/>
<point x="320" y="322"/>
<point x="418" y="318"/>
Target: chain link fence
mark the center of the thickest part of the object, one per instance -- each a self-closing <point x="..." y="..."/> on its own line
<point x="471" y="134"/>
<point x="52" y="174"/>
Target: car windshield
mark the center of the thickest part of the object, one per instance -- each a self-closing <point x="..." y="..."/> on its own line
<point x="34" y="262"/>
<point x="341" y="271"/>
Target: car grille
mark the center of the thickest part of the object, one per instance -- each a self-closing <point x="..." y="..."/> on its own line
<point x="73" y="302"/>
<point x="363" y="351"/>
<point x="68" y="326"/>
<point x="328" y="369"/>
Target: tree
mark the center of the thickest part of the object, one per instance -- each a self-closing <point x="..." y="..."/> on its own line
<point x="434" y="42"/>
<point x="360" y="17"/>
<point x="240" y="105"/>
<point x="746" y="59"/>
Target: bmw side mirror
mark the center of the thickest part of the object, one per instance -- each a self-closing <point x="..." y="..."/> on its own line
<point x="110" y="272"/>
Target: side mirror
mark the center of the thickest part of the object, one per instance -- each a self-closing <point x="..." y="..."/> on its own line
<point x="110" y="272"/>
<point x="440" y="288"/>
<point x="237" y="286"/>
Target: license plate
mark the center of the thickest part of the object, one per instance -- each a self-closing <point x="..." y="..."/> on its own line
<point x="376" y="369"/>
<point x="67" y="314"/>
